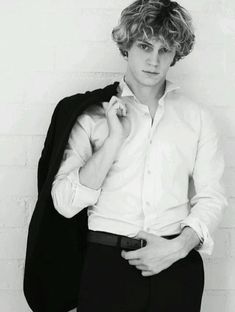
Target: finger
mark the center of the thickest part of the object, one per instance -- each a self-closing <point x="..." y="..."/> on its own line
<point x="113" y="108"/>
<point x="135" y="262"/>
<point x="108" y="105"/>
<point x="147" y="273"/>
<point x="142" y="267"/>
<point x="115" y="105"/>
<point x="104" y="104"/>
<point x="145" y="235"/>
<point x="128" y="255"/>
<point x="113" y="101"/>
<point x="121" y="110"/>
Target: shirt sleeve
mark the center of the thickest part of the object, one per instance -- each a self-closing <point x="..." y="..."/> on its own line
<point x="68" y="194"/>
<point x="210" y="200"/>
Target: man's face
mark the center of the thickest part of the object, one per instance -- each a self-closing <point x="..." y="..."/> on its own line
<point x="148" y="62"/>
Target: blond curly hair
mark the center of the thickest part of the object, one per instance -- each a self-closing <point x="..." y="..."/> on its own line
<point x="164" y="20"/>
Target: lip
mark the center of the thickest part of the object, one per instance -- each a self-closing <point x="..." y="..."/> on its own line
<point x="150" y="72"/>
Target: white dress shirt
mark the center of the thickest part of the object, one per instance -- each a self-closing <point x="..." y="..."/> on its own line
<point x="147" y="187"/>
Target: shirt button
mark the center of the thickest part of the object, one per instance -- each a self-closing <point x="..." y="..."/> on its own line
<point x="147" y="203"/>
<point x="149" y="171"/>
<point x="151" y="141"/>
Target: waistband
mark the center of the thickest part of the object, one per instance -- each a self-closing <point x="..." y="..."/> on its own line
<point x="120" y="241"/>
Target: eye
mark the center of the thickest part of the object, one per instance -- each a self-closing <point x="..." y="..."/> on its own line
<point x="165" y="50"/>
<point x="144" y="46"/>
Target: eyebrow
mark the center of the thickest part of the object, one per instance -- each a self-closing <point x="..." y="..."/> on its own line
<point x="144" y="41"/>
<point x="150" y="44"/>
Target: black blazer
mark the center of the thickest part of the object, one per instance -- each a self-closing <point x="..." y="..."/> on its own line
<point x="55" y="244"/>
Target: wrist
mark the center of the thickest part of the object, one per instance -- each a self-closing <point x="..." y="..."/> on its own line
<point x="188" y="239"/>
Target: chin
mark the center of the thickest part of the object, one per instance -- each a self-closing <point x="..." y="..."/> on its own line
<point x="151" y="82"/>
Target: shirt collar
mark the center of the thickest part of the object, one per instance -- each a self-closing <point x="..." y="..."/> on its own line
<point x="124" y="89"/>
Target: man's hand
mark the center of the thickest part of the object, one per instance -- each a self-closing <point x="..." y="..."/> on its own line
<point x="117" y="117"/>
<point x="159" y="253"/>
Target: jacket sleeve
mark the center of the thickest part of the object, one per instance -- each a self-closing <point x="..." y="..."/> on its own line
<point x="68" y="194"/>
<point x="210" y="200"/>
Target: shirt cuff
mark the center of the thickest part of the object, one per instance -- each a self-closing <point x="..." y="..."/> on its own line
<point x="84" y="195"/>
<point x="206" y="244"/>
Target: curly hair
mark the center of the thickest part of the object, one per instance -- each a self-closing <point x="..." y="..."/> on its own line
<point x="164" y="20"/>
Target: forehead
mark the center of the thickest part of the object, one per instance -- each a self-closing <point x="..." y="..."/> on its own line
<point x="152" y="40"/>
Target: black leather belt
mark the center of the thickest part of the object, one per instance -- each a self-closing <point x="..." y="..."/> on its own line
<point x="116" y="240"/>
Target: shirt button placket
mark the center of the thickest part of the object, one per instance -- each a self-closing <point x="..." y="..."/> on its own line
<point x="147" y="192"/>
<point x="146" y="186"/>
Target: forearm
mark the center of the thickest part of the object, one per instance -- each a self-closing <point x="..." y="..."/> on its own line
<point x="188" y="240"/>
<point x="93" y="173"/>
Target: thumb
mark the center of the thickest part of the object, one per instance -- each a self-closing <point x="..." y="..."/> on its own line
<point x="144" y="235"/>
<point x="107" y="105"/>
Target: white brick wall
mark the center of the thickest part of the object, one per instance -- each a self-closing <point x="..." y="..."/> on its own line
<point x="51" y="49"/>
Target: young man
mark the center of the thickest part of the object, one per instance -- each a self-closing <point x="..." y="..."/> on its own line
<point x="130" y="161"/>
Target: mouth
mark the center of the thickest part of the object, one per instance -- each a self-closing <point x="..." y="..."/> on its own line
<point x="150" y="72"/>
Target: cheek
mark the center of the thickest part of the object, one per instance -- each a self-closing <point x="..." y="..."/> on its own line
<point x="136" y="64"/>
<point x="172" y="56"/>
<point x="167" y="60"/>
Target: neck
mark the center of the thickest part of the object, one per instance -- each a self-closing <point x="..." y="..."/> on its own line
<point x="146" y="94"/>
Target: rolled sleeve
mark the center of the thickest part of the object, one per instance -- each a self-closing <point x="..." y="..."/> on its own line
<point x="206" y="244"/>
<point x="210" y="200"/>
<point x="83" y="195"/>
<point x="68" y="194"/>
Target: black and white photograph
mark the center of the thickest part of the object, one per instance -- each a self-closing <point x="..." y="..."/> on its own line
<point x="117" y="162"/>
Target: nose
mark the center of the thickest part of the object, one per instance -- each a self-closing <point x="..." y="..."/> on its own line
<point x="153" y="58"/>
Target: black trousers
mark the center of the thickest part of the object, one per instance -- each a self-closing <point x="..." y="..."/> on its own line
<point x="110" y="284"/>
